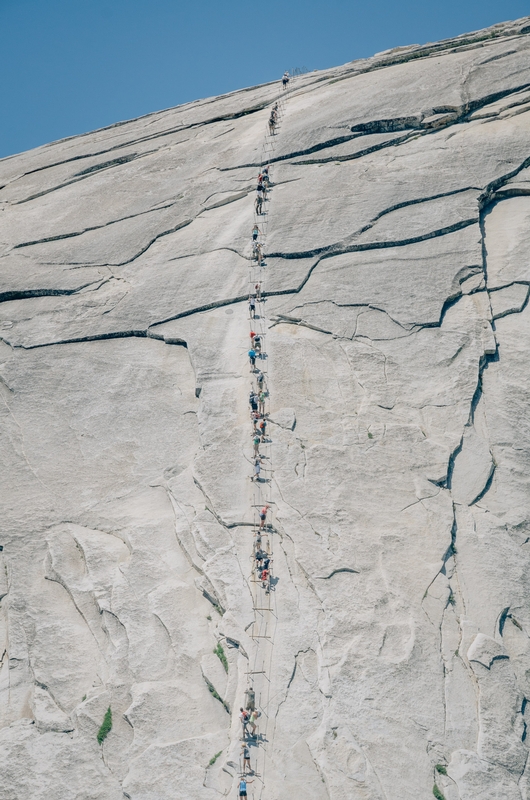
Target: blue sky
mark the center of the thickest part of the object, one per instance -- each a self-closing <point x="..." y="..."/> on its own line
<point x="70" y="66"/>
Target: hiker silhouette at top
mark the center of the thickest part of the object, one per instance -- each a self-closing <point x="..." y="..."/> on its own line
<point x="285" y="79"/>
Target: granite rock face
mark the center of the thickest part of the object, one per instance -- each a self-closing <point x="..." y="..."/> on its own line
<point x="398" y="332"/>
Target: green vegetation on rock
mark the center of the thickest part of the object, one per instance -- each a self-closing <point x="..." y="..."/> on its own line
<point x="106" y="726"/>
<point x="220" y="653"/>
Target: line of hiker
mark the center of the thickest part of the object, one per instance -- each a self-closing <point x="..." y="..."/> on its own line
<point x="262" y="560"/>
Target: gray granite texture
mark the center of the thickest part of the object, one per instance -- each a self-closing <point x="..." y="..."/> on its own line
<point x="398" y="340"/>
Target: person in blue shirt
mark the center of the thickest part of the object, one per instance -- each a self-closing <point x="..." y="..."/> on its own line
<point x="243" y="787"/>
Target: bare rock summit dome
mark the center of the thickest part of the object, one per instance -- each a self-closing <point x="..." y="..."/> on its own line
<point x="358" y="578"/>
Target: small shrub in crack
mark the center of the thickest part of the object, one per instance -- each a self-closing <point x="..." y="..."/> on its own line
<point x="220" y="653"/>
<point x="440" y="768"/>
<point x="217" y="696"/>
<point x="452" y="601"/>
<point x="106" y="726"/>
<point x="214" y="758"/>
<point x="370" y="435"/>
<point x="437" y="793"/>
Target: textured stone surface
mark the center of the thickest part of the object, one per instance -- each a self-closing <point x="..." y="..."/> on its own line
<point x="397" y="275"/>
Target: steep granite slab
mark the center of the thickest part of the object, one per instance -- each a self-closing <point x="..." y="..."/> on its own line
<point x="397" y="358"/>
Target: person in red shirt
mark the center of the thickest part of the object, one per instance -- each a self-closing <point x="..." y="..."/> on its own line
<point x="263" y="516"/>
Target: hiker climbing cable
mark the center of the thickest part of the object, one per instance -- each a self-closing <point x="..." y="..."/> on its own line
<point x="257" y="469"/>
<point x="243" y="787"/>
<point x="256" y="442"/>
<point x="264" y="585"/>
<point x="251" y="699"/>
<point x="255" y="232"/>
<point x="259" y="204"/>
<point x="257" y="253"/>
<point x="263" y="429"/>
<point x="285" y="79"/>
<point x="245" y="753"/>
<point x="252" y="306"/>
<point x="252" y="358"/>
<point x="244" y="716"/>
<point x="253" y="721"/>
<point x="263" y="515"/>
<point x="261" y="400"/>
